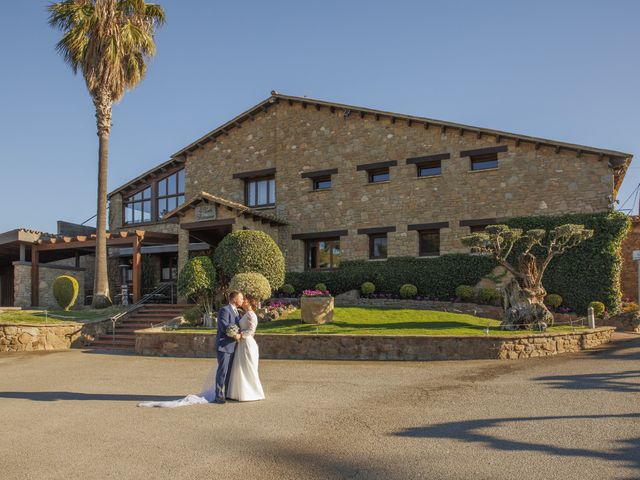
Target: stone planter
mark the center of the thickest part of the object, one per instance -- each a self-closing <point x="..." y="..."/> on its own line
<point x="316" y="310"/>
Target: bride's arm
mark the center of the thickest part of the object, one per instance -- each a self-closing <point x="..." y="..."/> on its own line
<point x="253" y="324"/>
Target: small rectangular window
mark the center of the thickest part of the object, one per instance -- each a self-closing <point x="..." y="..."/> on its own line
<point x="429" y="242"/>
<point x="137" y="208"/>
<point x="379" y="175"/>
<point x="378" y="245"/>
<point x="484" y="162"/>
<point x="430" y="169"/>
<point x="260" y="192"/>
<point x="322" y="183"/>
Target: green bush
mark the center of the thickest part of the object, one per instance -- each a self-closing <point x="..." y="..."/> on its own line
<point x="436" y="277"/>
<point x="367" y="288"/>
<point x="553" y="300"/>
<point x="251" y="284"/>
<point x="408" y="291"/>
<point x="65" y="291"/>
<point x="598" y="308"/>
<point x="287" y="289"/>
<point x="247" y="251"/>
<point x="488" y="295"/>
<point x="197" y="282"/>
<point x="321" y="286"/>
<point x="193" y="315"/>
<point x="465" y="292"/>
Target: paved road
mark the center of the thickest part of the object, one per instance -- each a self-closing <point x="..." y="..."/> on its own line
<point x="72" y="414"/>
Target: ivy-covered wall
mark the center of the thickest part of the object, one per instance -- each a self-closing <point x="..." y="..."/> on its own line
<point x="588" y="272"/>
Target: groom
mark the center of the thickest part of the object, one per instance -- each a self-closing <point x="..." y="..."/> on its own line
<point x="226" y="346"/>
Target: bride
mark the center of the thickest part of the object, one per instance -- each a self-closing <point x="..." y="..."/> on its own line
<point x="244" y="382"/>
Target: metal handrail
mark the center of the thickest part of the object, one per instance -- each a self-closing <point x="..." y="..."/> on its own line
<point x="133" y="307"/>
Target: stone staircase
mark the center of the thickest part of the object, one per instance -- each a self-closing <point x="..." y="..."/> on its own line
<point x="146" y="316"/>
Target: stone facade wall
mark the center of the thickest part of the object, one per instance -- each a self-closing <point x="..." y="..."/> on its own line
<point x="379" y="347"/>
<point x="293" y="139"/>
<point x="629" y="275"/>
<point x="26" y="338"/>
<point x="48" y="273"/>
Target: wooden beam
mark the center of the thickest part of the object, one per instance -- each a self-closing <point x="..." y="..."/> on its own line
<point x="462" y="132"/>
<point x="478" y="134"/>
<point x="443" y="129"/>
<point x="362" y="114"/>
<point x="426" y="125"/>
<point x="410" y="122"/>
<point x="35" y="276"/>
<point x="557" y="148"/>
<point x="537" y="146"/>
<point x="318" y="106"/>
<point x="137" y="269"/>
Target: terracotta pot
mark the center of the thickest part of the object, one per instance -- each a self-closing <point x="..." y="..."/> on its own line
<point x="316" y="310"/>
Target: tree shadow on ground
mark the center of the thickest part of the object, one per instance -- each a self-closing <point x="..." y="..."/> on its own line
<point x="620" y="349"/>
<point x="623" y="382"/>
<point x="474" y="431"/>
<point x="55" y="396"/>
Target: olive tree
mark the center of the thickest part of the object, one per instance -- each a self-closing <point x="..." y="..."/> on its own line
<point x="524" y="294"/>
<point x="197" y="282"/>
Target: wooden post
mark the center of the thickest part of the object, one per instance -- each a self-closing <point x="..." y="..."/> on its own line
<point x="137" y="269"/>
<point x="35" y="277"/>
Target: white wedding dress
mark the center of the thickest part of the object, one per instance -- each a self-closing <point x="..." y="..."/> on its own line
<point x="244" y="383"/>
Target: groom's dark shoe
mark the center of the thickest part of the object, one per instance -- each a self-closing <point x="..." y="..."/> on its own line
<point x="220" y="401"/>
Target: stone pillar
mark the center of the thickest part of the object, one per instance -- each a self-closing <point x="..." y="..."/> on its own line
<point x="183" y="254"/>
<point x="21" y="284"/>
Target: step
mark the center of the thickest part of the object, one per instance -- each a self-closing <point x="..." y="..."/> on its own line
<point x="109" y="344"/>
<point x="139" y="326"/>
<point x="118" y="336"/>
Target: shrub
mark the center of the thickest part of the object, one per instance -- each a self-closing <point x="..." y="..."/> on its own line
<point x="553" y="300"/>
<point x="488" y="295"/>
<point x="65" y="291"/>
<point x="598" y="308"/>
<point x="197" y="281"/>
<point x="367" y="288"/>
<point x="321" y="286"/>
<point x="408" y="291"/>
<point x="251" y="284"/>
<point x="630" y="307"/>
<point x="250" y="251"/>
<point x="465" y="292"/>
<point x="193" y="315"/>
<point x="287" y="289"/>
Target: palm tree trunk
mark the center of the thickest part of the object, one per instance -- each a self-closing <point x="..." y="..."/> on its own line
<point x="101" y="296"/>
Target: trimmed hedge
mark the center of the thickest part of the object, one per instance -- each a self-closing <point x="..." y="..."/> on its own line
<point x="436" y="277"/>
<point x="65" y="291"/>
<point x="590" y="271"/>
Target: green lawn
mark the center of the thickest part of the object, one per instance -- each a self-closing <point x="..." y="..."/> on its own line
<point x="382" y="321"/>
<point x="39" y="317"/>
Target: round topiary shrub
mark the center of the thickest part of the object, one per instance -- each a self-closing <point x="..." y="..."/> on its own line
<point x="65" y="291"/>
<point x="251" y="284"/>
<point x="553" y="300"/>
<point x="247" y="251"/>
<point x="287" y="289"/>
<point x="598" y="308"/>
<point x="367" y="288"/>
<point x="321" y="286"/>
<point x="488" y="295"/>
<point x="408" y="291"/>
<point x="465" y="292"/>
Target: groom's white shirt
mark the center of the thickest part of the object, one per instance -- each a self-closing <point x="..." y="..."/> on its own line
<point x="235" y="309"/>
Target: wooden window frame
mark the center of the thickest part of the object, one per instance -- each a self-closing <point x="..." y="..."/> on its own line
<point x="430" y="164"/>
<point x="372" y="239"/>
<point x="430" y="231"/>
<point x="317" y="180"/>
<point x="129" y="202"/>
<point x="379" y="171"/>
<point x="331" y="242"/>
<point x="490" y="158"/>
<point x="168" y="196"/>
<point x="248" y="182"/>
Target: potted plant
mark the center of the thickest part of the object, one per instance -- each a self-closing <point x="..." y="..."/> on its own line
<point x="316" y="306"/>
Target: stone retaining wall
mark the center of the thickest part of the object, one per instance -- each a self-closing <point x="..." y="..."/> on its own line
<point x="61" y="336"/>
<point x="155" y="341"/>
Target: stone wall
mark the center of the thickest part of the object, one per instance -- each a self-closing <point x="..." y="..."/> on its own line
<point x="629" y="275"/>
<point x="294" y="140"/>
<point x="26" y="338"/>
<point x="48" y="273"/>
<point x="379" y="347"/>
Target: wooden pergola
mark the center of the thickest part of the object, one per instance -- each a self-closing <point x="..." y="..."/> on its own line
<point x="133" y="239"/>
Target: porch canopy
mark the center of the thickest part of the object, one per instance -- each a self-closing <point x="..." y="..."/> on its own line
<point x="84" y="243"/>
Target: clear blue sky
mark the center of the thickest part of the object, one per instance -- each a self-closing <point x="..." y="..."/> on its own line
<point x="566" y="70"/>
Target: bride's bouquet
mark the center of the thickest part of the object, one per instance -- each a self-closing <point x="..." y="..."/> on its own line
<point x="233" y="330"/>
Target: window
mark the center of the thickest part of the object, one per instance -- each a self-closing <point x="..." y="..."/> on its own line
<point x="429" y="241"/>
<point x="170" y="192"/>
<point x="379" y="175"/>
<point x="430" y="169"/>
<point x="137" y="208"/>
<point x="260" y="192"/>
<point x="484" y="162"/>
<point x="322" y="183"/>
<point x="477" y="228"/>
<point x="323" y="254"/>
<point x="169" y="268"/>
<point x="378" y="245"/>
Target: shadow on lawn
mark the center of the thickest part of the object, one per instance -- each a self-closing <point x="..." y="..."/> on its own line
<point x="474" y="431"/>
<point x="55" y="396"/>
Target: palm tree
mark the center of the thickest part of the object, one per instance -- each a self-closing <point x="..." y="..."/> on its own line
<point x="109" y="41"/>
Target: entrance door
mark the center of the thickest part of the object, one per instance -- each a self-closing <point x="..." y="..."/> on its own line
<point x="6" y="286"/>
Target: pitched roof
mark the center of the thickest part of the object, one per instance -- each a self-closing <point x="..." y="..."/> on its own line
<point x="204" y="197"/>
<point x="618" y="161"/>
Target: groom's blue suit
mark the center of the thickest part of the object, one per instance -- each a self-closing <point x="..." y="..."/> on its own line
<point x="226" y="348"/>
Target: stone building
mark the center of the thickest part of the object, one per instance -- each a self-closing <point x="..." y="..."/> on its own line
<point x="332" y="182"/>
